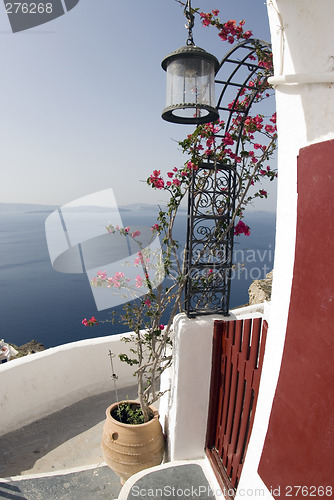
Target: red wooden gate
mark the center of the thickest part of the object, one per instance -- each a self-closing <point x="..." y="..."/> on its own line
<point x="238" y="350"/>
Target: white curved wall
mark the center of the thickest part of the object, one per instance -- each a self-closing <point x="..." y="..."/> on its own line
<point x="305" y="115"/>
<point x="39" y="384"/>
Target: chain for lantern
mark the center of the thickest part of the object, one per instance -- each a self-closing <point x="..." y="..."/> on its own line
<point x="191" y="21"/>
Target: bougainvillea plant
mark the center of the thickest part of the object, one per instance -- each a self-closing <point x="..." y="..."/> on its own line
<point x="150" y="296"/>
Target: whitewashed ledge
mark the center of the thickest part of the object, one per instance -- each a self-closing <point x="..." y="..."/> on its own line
<point x="40" y="384"/>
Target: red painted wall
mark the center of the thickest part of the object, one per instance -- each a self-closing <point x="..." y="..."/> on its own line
<point x="299" y="446"/>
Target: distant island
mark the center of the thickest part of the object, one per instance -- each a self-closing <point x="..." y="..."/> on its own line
<point x="25" y="207"/>
<point x="30" y="208"/>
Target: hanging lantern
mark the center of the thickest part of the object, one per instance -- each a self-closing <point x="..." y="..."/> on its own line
<point x="190" y="82"/>
<point x="190" y="86"/>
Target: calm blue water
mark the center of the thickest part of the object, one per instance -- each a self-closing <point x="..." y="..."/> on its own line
<point x="39" y="303"/>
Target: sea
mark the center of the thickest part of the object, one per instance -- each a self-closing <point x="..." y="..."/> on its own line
<point x="37" y="302"/>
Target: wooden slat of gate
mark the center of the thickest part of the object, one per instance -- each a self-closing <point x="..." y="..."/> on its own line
<point x="239" y="377"/>
<point x="227" y="354"/>
<point x="218" y="368"/>
<point x="223" y="335"/>
<point x="240" y="413"/>
<point x="248" y="400"/>
<point x="257" y="375"/>
<point x="233" y="394"/>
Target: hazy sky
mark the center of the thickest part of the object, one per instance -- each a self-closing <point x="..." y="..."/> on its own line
<point x="81" y="98"/>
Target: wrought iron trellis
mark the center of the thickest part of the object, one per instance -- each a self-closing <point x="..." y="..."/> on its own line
<point x="211" y="203"/>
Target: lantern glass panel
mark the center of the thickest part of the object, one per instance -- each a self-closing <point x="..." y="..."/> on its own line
<point x="190" y="81"/>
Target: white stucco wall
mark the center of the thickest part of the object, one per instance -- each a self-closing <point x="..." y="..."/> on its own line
<point x="305" y="115"/>
<point x="39" y="384"/>
<point x="190" y="387"/>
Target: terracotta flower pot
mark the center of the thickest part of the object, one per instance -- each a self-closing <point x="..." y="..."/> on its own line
<point x="131" y="448"/>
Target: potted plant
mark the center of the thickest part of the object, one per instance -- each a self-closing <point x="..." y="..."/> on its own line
<point x="151" y="297"/>
<point x="129" y="444"/>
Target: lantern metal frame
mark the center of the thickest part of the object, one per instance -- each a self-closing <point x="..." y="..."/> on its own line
<point x="190" y="52"/>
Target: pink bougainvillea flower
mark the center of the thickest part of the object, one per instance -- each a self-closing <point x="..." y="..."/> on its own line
<point x="91" y="322"/>
<point x="127" y="229"/>
<point x="148" y="302"/>
<point x="139" y="281"/>
<point x="159" y="183"/>
<point x="215" y="12"/>
<point x="205" y="18"/>
<point x="155" y="227"/>
<point x="270" y="129"/>
<point x="210" y="141"/>
<point x="176" y="182"/>
<point x="228" y="140"/>
<point x="135" y="233"/>
<point x="170" y="174"/>
<point x="155" y="180"/>
<point x="241" y="228"/>
<point x="263" y="192"/>
<point x="139" y="259"/>
<point x="161" y="327"/>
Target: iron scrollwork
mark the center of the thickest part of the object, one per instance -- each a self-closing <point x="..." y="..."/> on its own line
<point x="212" y="194"/>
